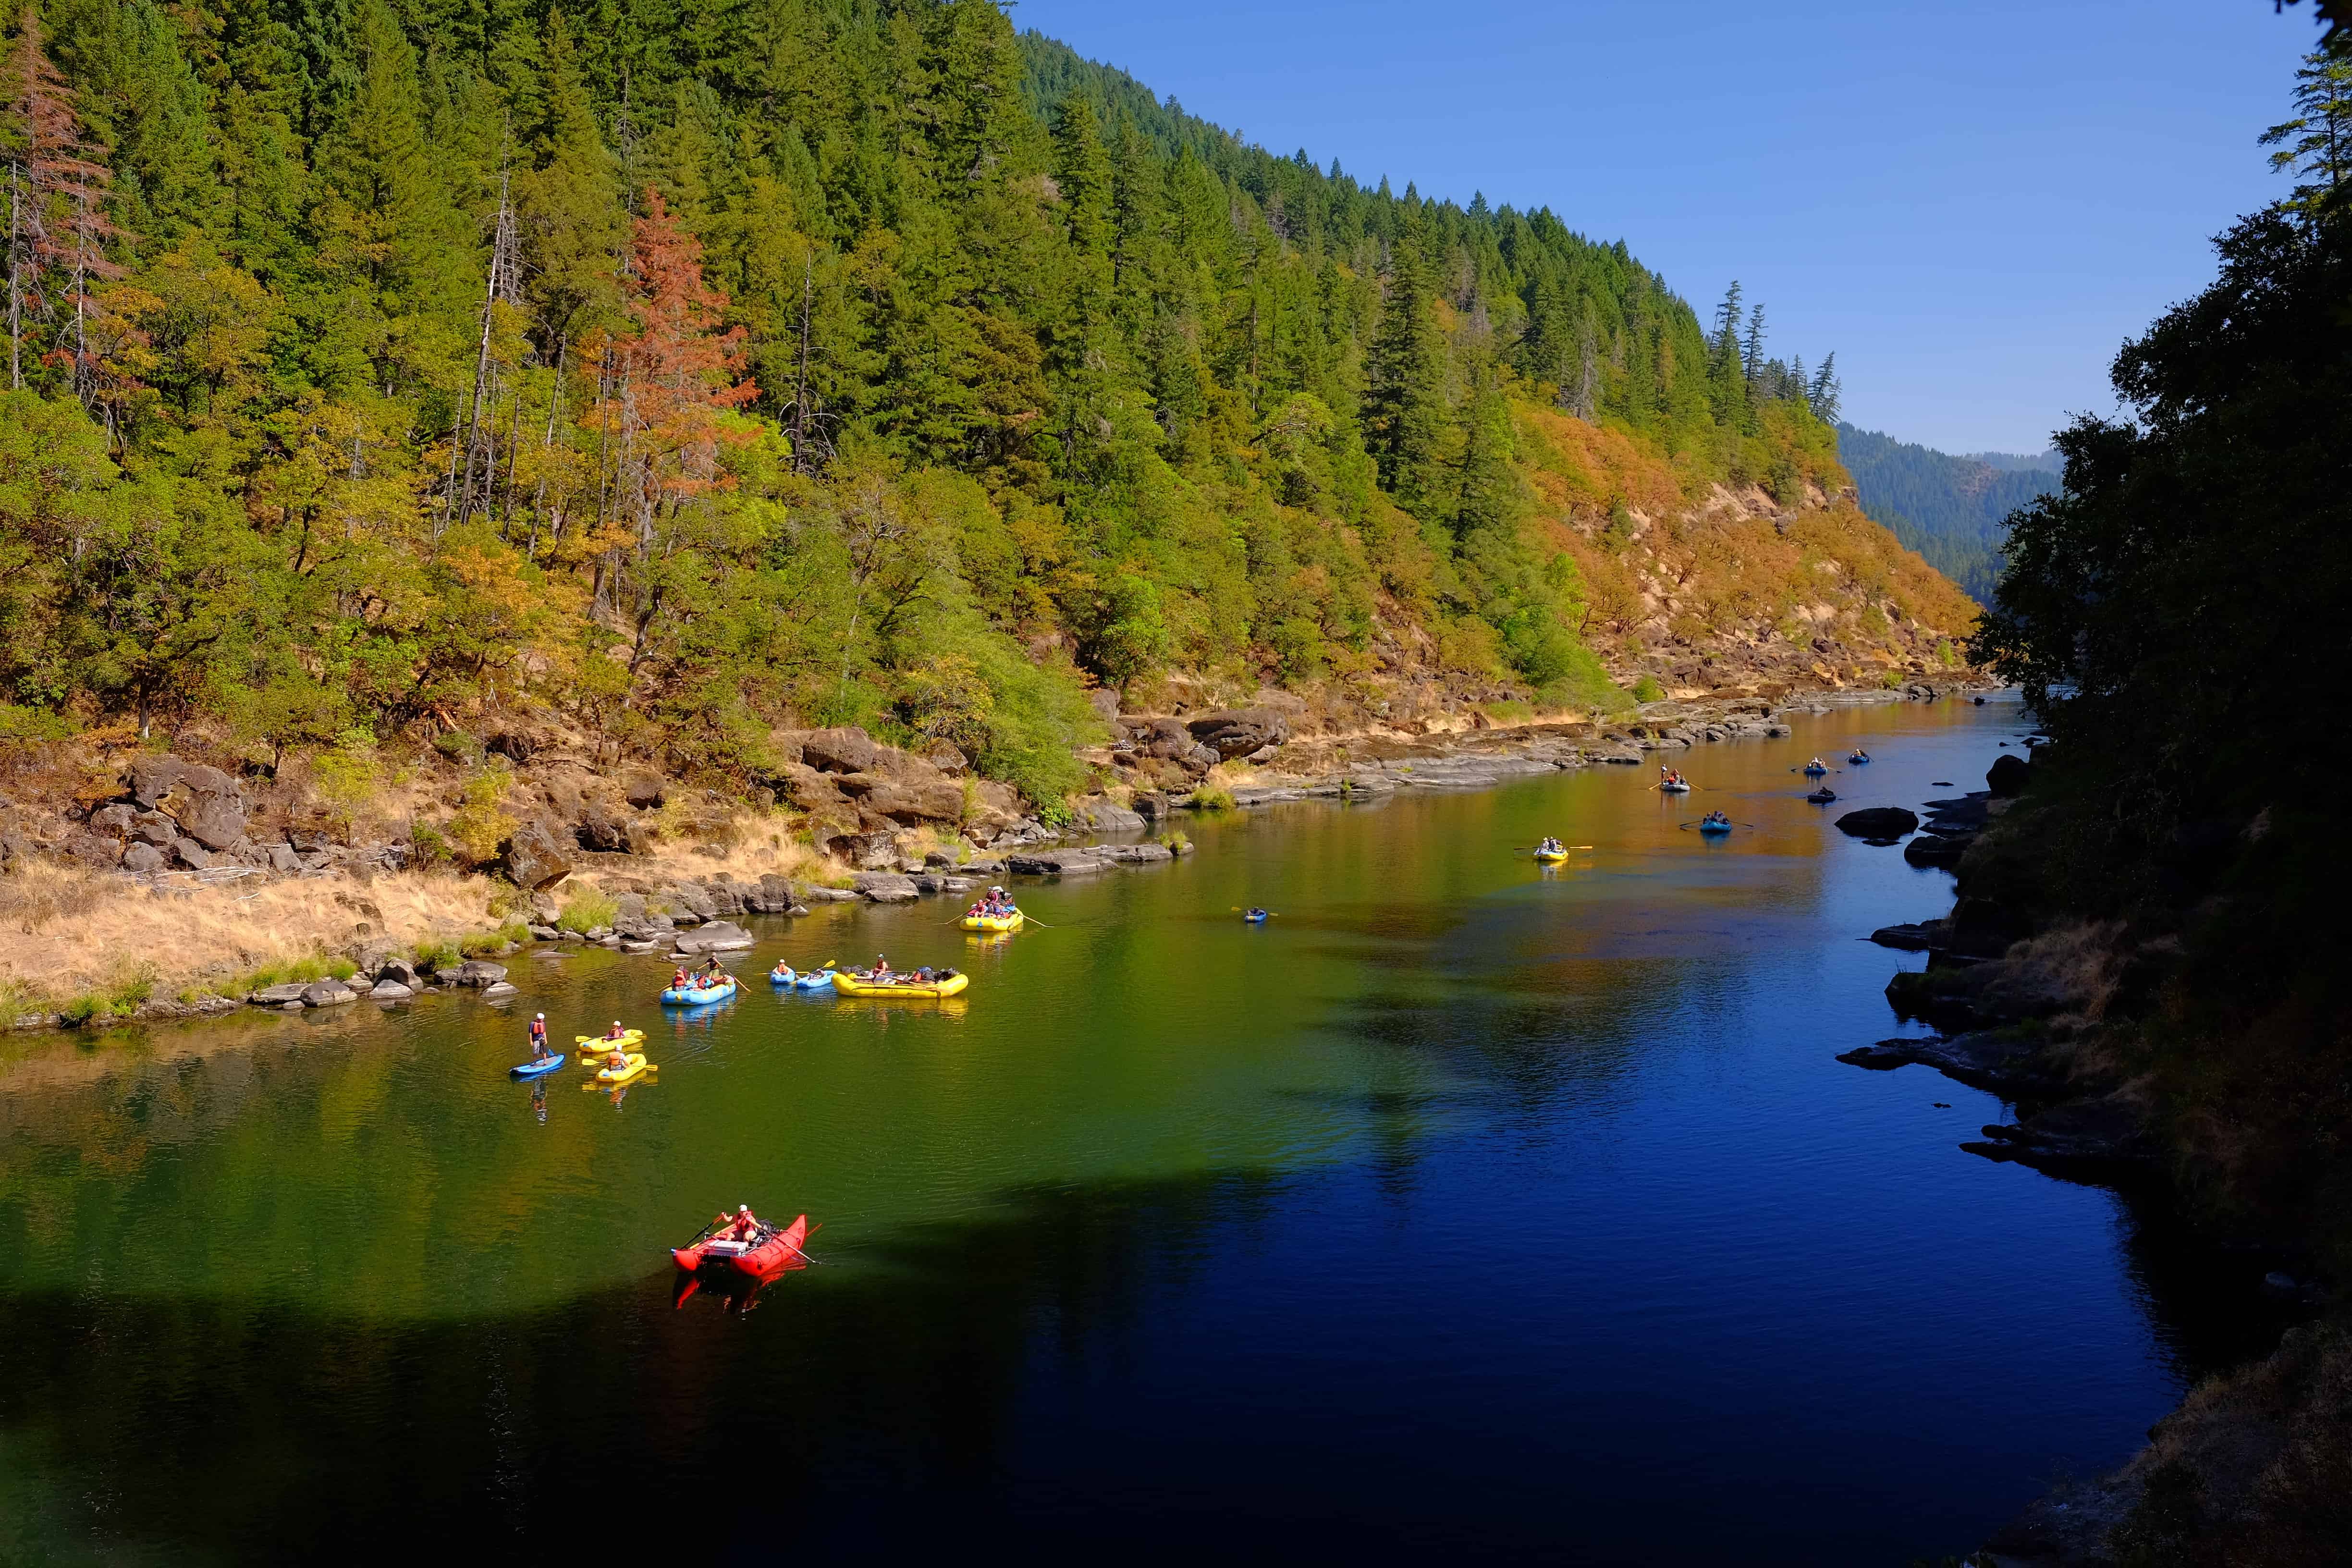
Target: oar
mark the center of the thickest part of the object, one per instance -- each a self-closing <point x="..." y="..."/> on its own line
<point x="776" y="1235"/>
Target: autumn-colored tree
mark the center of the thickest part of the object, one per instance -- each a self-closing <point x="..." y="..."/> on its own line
<point x="676" y="374"/>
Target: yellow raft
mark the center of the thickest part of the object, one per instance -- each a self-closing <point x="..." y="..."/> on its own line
<point x="1552" y="857"/>
<point x="994" y="923"/>
<point x="850" y="985"/>
<point x="598" y="1045"/>
<point x="635" y="1068"/>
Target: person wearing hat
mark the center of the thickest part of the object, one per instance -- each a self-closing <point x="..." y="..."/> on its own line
<point x="743" y="1227"/>
<point x="539" y="1051"/>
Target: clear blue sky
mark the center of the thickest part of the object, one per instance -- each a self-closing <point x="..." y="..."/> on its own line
<point x="1974" y="205"/>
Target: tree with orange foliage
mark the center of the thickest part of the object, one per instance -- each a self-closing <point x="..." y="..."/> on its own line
<point x="663" y="391"/>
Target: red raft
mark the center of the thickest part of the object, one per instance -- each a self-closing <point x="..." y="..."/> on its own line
<point x="771" y="1253"/>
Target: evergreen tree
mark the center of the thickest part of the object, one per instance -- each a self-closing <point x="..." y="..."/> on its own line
<point x="2317" y="145"/>
<point x="1822" y="395"/>
<point x="1404" y="402"/>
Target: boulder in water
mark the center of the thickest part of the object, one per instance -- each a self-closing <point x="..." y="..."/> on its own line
<point x="1888" y="822"/>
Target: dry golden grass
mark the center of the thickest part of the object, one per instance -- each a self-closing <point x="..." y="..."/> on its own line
<point x="69" y="932"/>
<point x="759" y="843"/>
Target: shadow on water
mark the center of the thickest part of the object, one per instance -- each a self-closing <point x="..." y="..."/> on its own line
<point x="614" y="1421"/>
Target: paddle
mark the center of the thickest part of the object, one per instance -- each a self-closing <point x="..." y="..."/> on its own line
<point x="819" y="1226"/>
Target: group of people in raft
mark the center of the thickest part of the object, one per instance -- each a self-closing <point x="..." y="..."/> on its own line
<point x="995" y="904"/>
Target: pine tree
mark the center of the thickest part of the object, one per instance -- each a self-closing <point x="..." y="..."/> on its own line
<point x="1751" y="353"/>
<point x="569" y="208"/>
<point x="58" y="226"/>
<point x="1404" y="404"/>
<point x="2317" y="145"/>
<point x="1587" y="403"/>
<point x="1822" y="395"/>
<point x="400" y="253"/>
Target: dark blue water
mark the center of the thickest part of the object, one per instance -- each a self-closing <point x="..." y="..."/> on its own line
<point x="1464" y="1208"/>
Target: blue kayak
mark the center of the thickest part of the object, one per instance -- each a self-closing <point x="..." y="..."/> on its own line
<point x="693" y="995"/>
<point x="805" y="980"/>
<point x="539" y="1069"/>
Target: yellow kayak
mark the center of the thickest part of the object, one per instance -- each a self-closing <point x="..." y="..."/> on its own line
<point x="850" y="985"/>
<point x="994" y="923"/>
<point x="1552" y="857"/>
<point x="636" y="1065"/>
<point x="598" y="1045"/>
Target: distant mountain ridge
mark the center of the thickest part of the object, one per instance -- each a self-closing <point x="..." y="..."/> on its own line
<point x="2048" y="462"/>
<point x="1951" y="510"/>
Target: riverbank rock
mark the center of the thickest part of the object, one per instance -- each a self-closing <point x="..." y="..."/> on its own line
<point x="1998" y="1062"/>
<point x="328" y="994"/>
<point x="1237" y="732"/>
<point x="1104" y="814"/>
<point x="2007" y="777"/>
<point x="534" y="860"/>
<point x="477" y="972"/>
<point x="2081" y="1134"/>
<point x="208" y="806"/>
<point x="1932" y="850"/>
<point x="718" y="936"/>
<point x="1057" y="863"/>
<point x="1886" y="822"/>
<point x="152" y="778"/>
<point x="845" y="750"/>
<point x="391" y="990"/>
<point x="885" y="887"/>
<point x="277" y="996"/>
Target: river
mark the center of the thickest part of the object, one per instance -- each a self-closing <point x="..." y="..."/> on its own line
<point x="1463" y="1206"/>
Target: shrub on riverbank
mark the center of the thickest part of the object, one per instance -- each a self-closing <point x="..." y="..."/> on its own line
<point x="586" y="910"/>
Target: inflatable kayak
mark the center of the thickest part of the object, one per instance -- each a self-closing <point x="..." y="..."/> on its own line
<point x="1672" y="788"/>
<point x="694" y="995"/>
<point x="947" y="984"/>
<point x="1713" y="826"/>
<point x="1551" y="857"/>
<point x="772" y="1252"/>
<point x="1254" y="917"/>
<point x="1859" y="758"/>
<point x="802" y="980"/>
<point x="1814" y="770"/>
<point x="994" y="923"/>
<point x="540" y="1069"/>
<point x="598" y="1045"/>
<point x="634" y="1067"/>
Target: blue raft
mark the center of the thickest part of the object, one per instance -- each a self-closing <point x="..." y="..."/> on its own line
<point x="805" y="980"/>
<point x="695" y="995"/>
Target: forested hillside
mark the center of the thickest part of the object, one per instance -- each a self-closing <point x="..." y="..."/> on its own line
<point x="1950" y="510"/>
<point x="677" y="375"/>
